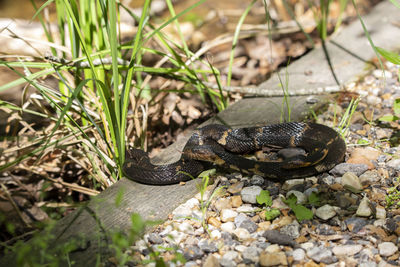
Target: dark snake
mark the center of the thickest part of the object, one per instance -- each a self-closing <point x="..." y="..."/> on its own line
<point x="322" y="147"/>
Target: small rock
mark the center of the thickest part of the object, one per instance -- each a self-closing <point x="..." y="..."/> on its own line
<point x="387" y="249"/>
<point x="207" y="246"/>
<point x="301" y="198"/>
<point x="154" y="238"/>
<point x="250" y="255"/>
<point x="186" y="227"/>
<point x="289" y="184"/>
<point x="228" y="215"/>
<point x="230" y="256"/>
<point x="350" y="179"/>
<point x="274" y="248"/>
<point x="277" y="203"/>
<point x="272" y="259"/>
<point x="364" y="209"/>
<point x="276" y="237"/>
<point x="292" y="230"/>
<point x="235" y="188"/>
<point x="228" y="227"/>
<point x="394" y="163"/>
<point x="250" y="193"/>
<point x="370" y="177"/>
<point x="299" y="254"/>
<point x="342" y="168"/>
<point x="236" y="201"/>
<point x="380" y="212"/>
<point x="192" y="253"/>
<point x="257" y="180"/>
<point x="246" y="208"/>
<point x="325" y="212"/>
<point x="222" y="203"/>
<point x="346" y="250"/>
<point x="241" y="234"/>
<point x="214" y="222"/>
<point x="175" y="237"/>
<point x="321" y="254"/>
<point x="355" y="224"/>
<point x="242" y="221"/>
<point x="215" y="234"/>
<point x="211" y="261"/>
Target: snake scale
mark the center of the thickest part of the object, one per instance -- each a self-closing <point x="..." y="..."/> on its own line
<point x="322" y="148"/>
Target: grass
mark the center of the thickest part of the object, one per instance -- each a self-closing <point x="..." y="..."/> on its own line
<point x="94" y="97"/>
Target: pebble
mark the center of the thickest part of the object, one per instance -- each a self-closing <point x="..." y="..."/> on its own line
<point x="273" y="259"/>
<point x="342" y="168"/>
<point x="298" y="254"/>
<point x="351" y="180"/>
<point x="242" y="221"/>
<point x="346" y="250"/>
<point x="325" y="212"/>
<point x="228" y="227"/>
<point x="387" y="249"/>
<point x="364" y="209"/>
<point x="207" y="246"/>
<point x="250" y="193"/>
<point x="228" y="215"/>
<point x="250" y="255"/>
<point x="241" y="234"/>
<point x="394" y="163"/>
<point x="321" y="254"/>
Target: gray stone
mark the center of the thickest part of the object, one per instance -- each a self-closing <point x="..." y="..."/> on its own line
<point x="257" y="180"/>
<point x="242" y="221"/>
<point x="350" y="179"/>
<point x="289" y="184"/>
<point x="186" y="227"/>
<point x="355" y="224"/>
<point x="370" y="177"/>
<point x="342" y="168"/>
<point x="250" y="193"/>
<point x="250" y="255"/>
<point x="364" y="210"/>
<point x="299" y="254"/>
<point x="228" y="259"/>
<point x="387" y="249"/>
<point x="346" y="250"/>
<point x="394" y="163"/>
<point x="208" y="246"/>
<point x="325" y="212"/>
<point x="292" y="230"/>
<point x="380" y="212"/>
<point x="155" y="238"/>
<point x="321" y="254"/>
<point x="192" y="253"/>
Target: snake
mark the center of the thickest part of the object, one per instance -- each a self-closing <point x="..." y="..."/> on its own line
<point x="321" y="148"/>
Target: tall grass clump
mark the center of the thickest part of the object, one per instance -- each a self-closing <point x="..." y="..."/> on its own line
<point x="103" y="86"/>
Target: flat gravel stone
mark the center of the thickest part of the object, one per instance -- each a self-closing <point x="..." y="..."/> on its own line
<point x="299" y="254"/>
<point x="346" y="250"/>
<point x="364" y="210"/>
<point x="394" y="163"/>
<point x="342" y="168"/>
<point x="321" y="254"/>
<point x="207" y="246"/>
<point x="242" y="221"/>
<point x="192" y="253"/>
<point x="350" y="179"/>
<point x="272" y="259"/>
<point x="325" y="212"/>
<point x="387" y="249"/>
<point x="250" y="193"/>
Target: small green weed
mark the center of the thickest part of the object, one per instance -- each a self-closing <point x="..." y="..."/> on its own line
<point x="302" y="213"/>
<point x="265" y="199"/>
<point x="393" y="195"/>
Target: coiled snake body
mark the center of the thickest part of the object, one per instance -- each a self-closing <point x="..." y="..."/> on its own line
<point x="323" y="149"/>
